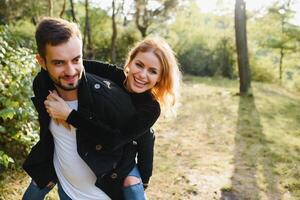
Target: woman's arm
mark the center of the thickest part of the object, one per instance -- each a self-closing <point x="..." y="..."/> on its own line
<point x="105" y="70"/>
<point x="115" y="137"/>
<point x="145" y="150"/>
<point x="111" y="137"/>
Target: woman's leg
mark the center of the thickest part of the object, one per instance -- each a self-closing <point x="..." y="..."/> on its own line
<point x="133" y="187"/>
<point x="33" y="192"/>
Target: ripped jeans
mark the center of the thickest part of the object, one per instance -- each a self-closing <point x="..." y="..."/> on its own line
<point x="135" y="192"/>
<point x="33" y="192"/>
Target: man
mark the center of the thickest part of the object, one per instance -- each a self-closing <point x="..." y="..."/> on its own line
<point x="81" y="158"/>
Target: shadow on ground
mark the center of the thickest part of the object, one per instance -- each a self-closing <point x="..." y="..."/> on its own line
<point x="253" y="176"/>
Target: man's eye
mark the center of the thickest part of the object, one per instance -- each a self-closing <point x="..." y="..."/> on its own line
<point x="76" y="60"/>
<point x="58" y="63"/>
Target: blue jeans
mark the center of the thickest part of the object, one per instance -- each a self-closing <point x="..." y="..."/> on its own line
<point x="134" y="192"/>
<point x="33" y="192"/>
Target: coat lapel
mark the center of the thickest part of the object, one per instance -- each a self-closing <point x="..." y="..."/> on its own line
<point x="85" y="100"/>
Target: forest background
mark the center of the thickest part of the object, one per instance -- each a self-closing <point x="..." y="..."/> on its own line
<point x="202" y="37"/>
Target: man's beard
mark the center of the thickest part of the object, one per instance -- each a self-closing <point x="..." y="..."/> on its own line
<point x="57" y="83"/>
<point x="70" y="87"/>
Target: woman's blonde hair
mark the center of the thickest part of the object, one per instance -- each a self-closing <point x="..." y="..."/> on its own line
<point x="166" y="91"/>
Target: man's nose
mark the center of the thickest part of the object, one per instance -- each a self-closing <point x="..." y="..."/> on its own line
<point x="70" y="69"/>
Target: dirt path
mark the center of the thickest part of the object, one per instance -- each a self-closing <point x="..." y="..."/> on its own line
<point x="219" y="146"/>
<point x="194" y="150"/>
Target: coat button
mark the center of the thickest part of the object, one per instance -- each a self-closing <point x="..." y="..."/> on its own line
<point x="97" y="86"/>
<point x="98" y="147"/>
<point x="114" y="175"/>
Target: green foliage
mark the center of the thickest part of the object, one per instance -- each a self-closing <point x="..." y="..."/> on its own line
<point x="275" y="39"/>
<point x="127" y="37"/>
<point x="23" y="33"/>
<point x="5" y="160"/>
<point x="297" y="83"/>
<point x="17" y="115"/>
<point x="198" y="59"/>
<point x="262" y="68"/>
<point x="202" y="42"/>
<point x="223" y="59"/>
<point x="101" y="36"/>
<point x="261" y="73"/>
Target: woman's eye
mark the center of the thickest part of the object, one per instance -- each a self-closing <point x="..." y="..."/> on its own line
<point x="153" y="71"/>
<point x="139" y="65"/>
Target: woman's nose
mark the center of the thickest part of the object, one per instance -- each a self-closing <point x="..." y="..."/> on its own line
<point x="143" y="73"/>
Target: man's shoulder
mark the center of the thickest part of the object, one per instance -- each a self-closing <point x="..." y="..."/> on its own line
<point x="93" y="78"/>
<point x="112" y="99"/>
<point x="97" y="82"/>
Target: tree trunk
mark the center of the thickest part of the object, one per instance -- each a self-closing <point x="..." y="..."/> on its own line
<point x="50" y="9"/>
<point x="280" y="64"/>
<point x="281" y="49"/>
<point x="241" y="46"/>
<point x="87" y="33"/>
<point x="144" y="26"/>
<point x="114" y="33"/>
<point x="63" y="9"/>
<point x="73" y="11"/>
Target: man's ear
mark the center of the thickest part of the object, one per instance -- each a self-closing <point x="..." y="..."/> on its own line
<point x="41" y="61"/>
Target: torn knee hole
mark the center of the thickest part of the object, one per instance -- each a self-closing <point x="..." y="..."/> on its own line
<point x="131" y="180"/>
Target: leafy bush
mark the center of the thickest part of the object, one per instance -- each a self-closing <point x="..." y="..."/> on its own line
<point x="224" y="58"/>
<point x="17" y="116"/>
<point x="262" y="70"/>
<point x="198" y="59"/>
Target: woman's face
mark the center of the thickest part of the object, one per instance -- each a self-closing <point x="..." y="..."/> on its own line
<point x="144" y="71"/>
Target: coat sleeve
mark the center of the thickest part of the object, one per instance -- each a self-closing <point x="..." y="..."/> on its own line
<point x="105" y="70"/>
<point x="114" y="137"/>
<point x="145" y="152"/>
<point x="42" y="84"/>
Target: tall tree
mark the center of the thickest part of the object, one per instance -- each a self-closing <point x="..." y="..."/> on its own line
<point x="87" y="38"/>
<point x="117" y="9"/>
<point x="241" y="46"/>
<point x="145" y="14"/>
<point x="73" y="11"/>
<point x="114" y="33"/>
<point x="284" y="40"/>
<point x="63" y="9"/>
<point x="50" y="7"/>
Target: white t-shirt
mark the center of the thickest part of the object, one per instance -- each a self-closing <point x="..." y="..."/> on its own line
<point x="74" y="175"/>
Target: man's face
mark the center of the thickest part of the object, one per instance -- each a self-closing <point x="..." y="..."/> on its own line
<point x="64" y="63"/>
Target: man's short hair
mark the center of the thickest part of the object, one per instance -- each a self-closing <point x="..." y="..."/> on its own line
<point x="54" y="31"/>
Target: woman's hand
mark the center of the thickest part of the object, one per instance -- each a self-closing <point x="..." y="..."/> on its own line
<point x="56" y="107"/>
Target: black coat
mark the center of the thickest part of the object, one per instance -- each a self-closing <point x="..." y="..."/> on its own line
<point x="137" y="128"/>
<point x="99" y="100"/>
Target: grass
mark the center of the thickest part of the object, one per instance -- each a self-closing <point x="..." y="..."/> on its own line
<point x="220" y="146"/>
